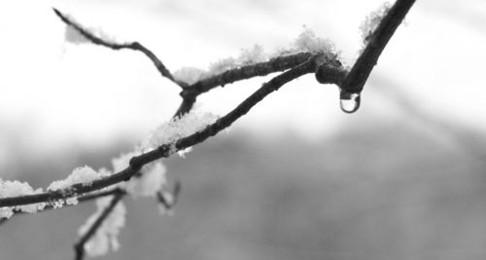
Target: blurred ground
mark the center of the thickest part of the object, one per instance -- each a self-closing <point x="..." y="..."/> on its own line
<point x="374" y="190"/>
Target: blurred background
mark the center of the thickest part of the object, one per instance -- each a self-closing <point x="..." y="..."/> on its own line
<point x="403" y="178"/>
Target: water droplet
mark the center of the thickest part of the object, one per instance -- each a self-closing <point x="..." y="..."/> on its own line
<point x="349" y="102"/>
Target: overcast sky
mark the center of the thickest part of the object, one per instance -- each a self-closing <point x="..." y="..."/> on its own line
<point x="53" y="91"/>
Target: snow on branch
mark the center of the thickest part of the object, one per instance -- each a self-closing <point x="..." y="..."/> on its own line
<point x="16" y="188"/>
<point x="164" y="150"/>
<point x="77" y="33"/>
<point x="255" y="61"/>
<point x="371" y="22"/>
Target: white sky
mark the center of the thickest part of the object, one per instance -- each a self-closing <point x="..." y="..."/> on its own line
<point x="54" y="92"/>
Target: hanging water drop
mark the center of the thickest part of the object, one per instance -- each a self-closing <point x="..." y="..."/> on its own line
<point x="349" y="102"/>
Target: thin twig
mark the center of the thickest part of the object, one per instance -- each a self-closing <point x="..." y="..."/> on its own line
<point x="79" y="246"/>
<point x="136" y="46"/>
<point x="85" y="198"/>
<point x="356" y="78"/>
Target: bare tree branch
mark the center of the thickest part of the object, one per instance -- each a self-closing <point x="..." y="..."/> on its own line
<point x="165" y="150"/>
<point x="136" y="46"/>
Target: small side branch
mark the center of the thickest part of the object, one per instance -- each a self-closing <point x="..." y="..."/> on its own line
<point x="79" y="246"/>
<point x="246" y="72"/>
<point x="136" y="46"/>
<point x="88" y="197"/>
<point x="190" y="94"/>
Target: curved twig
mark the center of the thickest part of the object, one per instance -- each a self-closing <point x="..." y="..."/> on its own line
<point x="136" y="46"/>
<point x="357" y="77"/>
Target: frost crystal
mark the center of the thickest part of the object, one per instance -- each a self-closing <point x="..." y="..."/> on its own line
<point x="106" y="236"/>
<point x="177" y="128"/>
<point x="372" y="21"/>
<point x="16" y="188"/>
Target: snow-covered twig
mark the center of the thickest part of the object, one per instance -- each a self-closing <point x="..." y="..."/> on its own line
<point x="136" y="46"/>
<point x="276" y="64"/>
